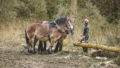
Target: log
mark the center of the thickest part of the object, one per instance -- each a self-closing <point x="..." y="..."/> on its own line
<point x="97" y="46"/>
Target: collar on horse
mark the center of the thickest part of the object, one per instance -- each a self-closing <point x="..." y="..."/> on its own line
<point x="48" y="27"/>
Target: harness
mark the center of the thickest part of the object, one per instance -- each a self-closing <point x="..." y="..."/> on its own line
<point x="48" y="27"/>
<point x="59" y="29"/>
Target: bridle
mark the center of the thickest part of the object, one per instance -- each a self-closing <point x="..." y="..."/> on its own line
<point x="67" y="29"/>
<point x="71" y="23"/>
<point x="59" y="28"/>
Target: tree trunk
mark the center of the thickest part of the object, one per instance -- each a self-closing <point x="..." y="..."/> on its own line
<point x="73" y="13"/>
<point x="96" y="46"/>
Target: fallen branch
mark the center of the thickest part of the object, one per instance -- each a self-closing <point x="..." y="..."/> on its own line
<point x="96" y="46"/>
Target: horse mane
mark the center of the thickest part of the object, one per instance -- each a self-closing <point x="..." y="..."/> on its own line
<point x="61" y="20"/>
<point x="58" y="21"/>
<point x="52" y="24"/>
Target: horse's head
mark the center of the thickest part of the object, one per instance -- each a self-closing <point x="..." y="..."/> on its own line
<point x="67" y="23"/>
<point x="70" y="25"/>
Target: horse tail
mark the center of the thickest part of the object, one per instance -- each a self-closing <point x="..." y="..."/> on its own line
<point x="26" y="37"/>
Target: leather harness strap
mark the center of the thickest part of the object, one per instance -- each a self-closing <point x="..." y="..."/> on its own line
<point x="48" y="25"/>
<point x="61" y="31"/>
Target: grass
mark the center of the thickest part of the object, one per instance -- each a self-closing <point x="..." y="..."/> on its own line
<point x="12" y="34"/>
<point x="117" y="60"/>
<point x="12" y="30"/>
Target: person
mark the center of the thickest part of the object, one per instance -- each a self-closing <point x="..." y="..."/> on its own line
<point x="85" y="35"/>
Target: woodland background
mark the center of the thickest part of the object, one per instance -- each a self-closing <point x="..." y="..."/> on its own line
<point x="104" y="16"/>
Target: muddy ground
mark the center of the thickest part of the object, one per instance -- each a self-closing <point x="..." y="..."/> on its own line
<point x="14" y="55"/>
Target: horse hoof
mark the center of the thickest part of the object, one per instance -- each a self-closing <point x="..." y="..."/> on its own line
<point x="30" y="51"/>
<point x="38" y="52"/>
<point x="49" y="52"/>
<point x="55" y="51"/>
<point x="34" y="52"/>
<point x="44" y="50"/>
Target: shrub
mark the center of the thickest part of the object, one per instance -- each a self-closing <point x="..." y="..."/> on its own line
<point x="117" y="60"/>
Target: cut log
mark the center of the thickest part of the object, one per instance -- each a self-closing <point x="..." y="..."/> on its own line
<point x="96" y="46"/>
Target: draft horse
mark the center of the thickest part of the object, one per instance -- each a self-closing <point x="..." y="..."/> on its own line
<point x="52" y="32"/>
<point x="60" y="41"/>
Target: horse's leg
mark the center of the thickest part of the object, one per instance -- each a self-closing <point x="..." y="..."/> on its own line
<point x="27" y="41"/>
<point x="50" y="47"/>
<point x="57" y="46"/>
<point x="31" y="46"/>
<point x="35" y="41"/>
<point x="60" y="45"/>
<point x="28" y="47"/>
<point x="39" y="46"/>
<point x="45" y="44"/>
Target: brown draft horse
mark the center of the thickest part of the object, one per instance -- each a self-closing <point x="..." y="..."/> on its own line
<point x="59" y="42"/>
<point x="29" y="34"/>
<point x="52" y="32"/>
<point x="30" y="30"/>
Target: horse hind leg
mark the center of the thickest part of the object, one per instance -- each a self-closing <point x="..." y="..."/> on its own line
<point x="45" y="44"/>
<point x="35" y="41"/>
<point x="30" y="47"/>
<point x="40" y="47"/>
<point x="27" y="41"/>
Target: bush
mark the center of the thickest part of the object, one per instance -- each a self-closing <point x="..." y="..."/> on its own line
<point x="64" y="1"/>
<point x="12" y="9"/>
<point x="117" y="60"/>
<point x="6" y="10"/>
<point x="111" y="18"/>
<point x="23" y="11"/>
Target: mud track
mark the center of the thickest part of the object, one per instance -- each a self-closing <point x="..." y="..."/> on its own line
<point x="14" y="55"/>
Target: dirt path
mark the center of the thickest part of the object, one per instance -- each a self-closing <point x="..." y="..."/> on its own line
<point x="13" y="55"/>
